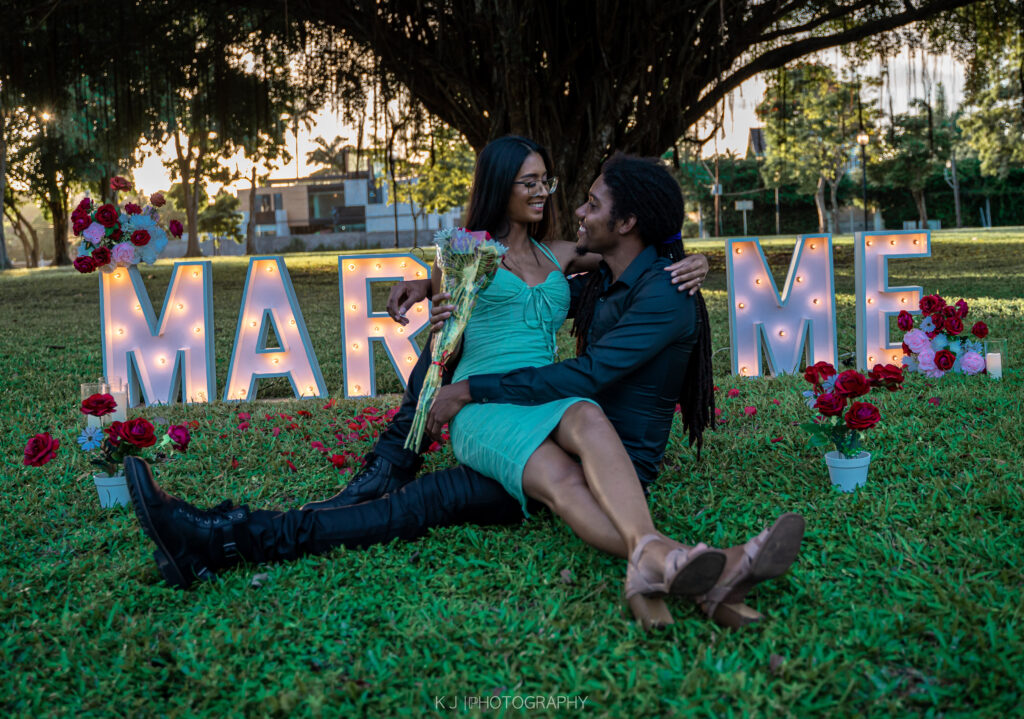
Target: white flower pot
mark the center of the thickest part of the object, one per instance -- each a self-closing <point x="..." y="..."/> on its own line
<point x="847" y="474"/>
<point x="113" y="491"/>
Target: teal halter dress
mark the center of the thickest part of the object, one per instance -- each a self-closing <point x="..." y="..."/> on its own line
<point x="513" y="325"/>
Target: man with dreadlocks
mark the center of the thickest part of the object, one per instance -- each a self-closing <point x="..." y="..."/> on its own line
<point x="642" y="347"/>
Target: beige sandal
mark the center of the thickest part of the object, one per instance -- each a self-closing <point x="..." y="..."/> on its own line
<point x="687" y="572"/>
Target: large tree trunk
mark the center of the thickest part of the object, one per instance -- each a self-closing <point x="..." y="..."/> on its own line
<point x="922" y="211"/>
<point x="819" y="203"/>
<point x="191" y="177"/>
<point x="250" y="226"/>
<point x="4" y="261"/>
<point x="57" y="202"/>
<point x="24" y="231"/>
<point x="833" y="194"/>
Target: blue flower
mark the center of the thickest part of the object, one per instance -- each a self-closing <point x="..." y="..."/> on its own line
<point x="829" y="384"/>
<point x="91" y="438"/>
<point x="972" y="346"/>
<point x="910" y="363"/>
<point x="956" y="347"/>
<point x="939" y="342"/>
<point x="927" y="325"/>
<point x="810" y="399"/>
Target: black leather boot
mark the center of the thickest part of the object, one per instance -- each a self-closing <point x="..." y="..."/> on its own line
<point x="191" y="543"/>
<point x="377" y="478"/>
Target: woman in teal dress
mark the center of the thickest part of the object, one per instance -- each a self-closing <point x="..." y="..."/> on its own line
<point x="531" y="450"/>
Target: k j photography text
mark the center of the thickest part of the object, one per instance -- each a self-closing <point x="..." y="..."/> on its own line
<point x="455" y="702"/>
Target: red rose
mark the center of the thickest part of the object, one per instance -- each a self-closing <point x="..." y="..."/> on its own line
<point x="180" y="436"/>
<point x="953" y="325"/>
<point x="907" y="350"/>
<point x="40" y="449"/>
<point x="140" y="238"/>
<point x="961" y="309"/>
<point x="944" y="360"/>
<point x="132" y="209"/>
<point x="84" y="264"/>
<point x="905" y="321"/>
<point x="98" y="405"/>
<point x="157" y="199"/>
<point x="825" y="369"/>
<point x="78" y="224"/>
<point x="931" y="303"/>
<point x="114" y="432"/>
<point x="84" y="206"/>
<point x="101" y="256"/>
<point x="137" y="432"/>
<point x="862" y="415"/>
<point x="939" y="320"/>
<point x="175" y="228"/>
<point x="830" y="404"/>
<point x="980" y="330"/>
<point x="852" y="383"/>
<point x="107" y="215"/>
<point x="119" y="183"/>
<point x="889" y="376"/>
<point x="811" y="375"/>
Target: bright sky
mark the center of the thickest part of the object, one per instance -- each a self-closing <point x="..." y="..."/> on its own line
<point x="907" y="82"/>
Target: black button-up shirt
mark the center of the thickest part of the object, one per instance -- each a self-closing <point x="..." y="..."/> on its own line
<point x="638" y="347"/>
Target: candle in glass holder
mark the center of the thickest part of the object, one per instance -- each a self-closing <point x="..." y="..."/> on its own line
<point x="995" y="352"/>
<point x="119" y="392"/>
<point x="88" y="390"/>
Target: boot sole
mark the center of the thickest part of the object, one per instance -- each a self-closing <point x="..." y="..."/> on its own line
<point x="169" y="570"/>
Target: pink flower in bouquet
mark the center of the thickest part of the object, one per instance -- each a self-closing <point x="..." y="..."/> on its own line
<point x="954" y="325"/>
<point x="961" y="309"/>
<point x="94" y="232"/>
<point x="905" y="321"/>
<point x="131" y="208"/>
<point x="107" y="215"/>
<point x="157" y="199"/>
<point x="931" y="303"/>
<point x="119" y="183"/>
<point x="175" y="228"/>
<point x="84" y="264"/>
<point x="972" y="363"/>
<point x="40" y="450"/>
<point x="140" y="238"/>
<point x="101" y="256"/>
<point x="123" y="253"/>
<point x="917" y="341"/>
<point x="180" y="436"/>
<point x="980" y="330"/>
<point x="926" y="363"/>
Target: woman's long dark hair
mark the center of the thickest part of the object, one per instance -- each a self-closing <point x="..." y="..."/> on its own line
<point x="496" y="170"/>
<point x="642" y="188"/>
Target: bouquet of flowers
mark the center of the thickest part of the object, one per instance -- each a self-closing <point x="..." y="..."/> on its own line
<point x="112" y="237"/>
<point x="468" y="262"/>
<point x="939" y="345"/>
<point x="842" y="418"/>
<point x="127" y="438"/>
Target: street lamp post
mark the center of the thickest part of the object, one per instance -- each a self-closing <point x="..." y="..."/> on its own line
<point x="862" y="140"/>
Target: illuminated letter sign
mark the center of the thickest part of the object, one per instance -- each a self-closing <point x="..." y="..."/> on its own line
<point x="805" y="314"/>
<point x="268" y="302"/>
<point x="875" y="300"/>
<point x="153" y="359"/>
<point x="361" y="326"/>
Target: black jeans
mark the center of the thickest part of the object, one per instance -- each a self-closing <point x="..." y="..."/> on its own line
<point x="459" y="495"/>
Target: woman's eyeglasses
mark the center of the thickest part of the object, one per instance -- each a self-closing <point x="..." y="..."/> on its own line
<point x="532" y="186"/>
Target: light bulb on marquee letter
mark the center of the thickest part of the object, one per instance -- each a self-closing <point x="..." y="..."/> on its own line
<point x="782" y="326"/>
<point x="268" y="302"/>
<point x="875" y="300"/>
<point x="361" y="329"/>
<point x="163" y="361"/>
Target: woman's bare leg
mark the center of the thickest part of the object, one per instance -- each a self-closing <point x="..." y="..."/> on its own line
<point x="555" y="479"/>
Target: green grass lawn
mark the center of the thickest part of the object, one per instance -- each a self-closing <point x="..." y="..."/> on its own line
<point x="906" y="599"/>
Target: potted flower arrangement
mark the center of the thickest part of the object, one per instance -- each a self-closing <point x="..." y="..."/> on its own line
<point x="843" y="417"/>
<point x="939" y="343"/>
<point x="114" y="237"/>
<point x="121" y="439"/>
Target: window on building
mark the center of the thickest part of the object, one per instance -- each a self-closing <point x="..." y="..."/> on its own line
<point x="323" y="201"/>
<point x="264" y="203"/>
<point x="278" y="202"/>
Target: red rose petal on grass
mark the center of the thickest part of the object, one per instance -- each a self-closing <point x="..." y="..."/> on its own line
<point x="338" y="461"/>
<point x="243" y="416"/>
<point x="750" y="411"/>
<point x="776" y="402"/>
<point x="242" y="426"/>
<point x="319" y="446"/>
<point x="304" y="413"/>
<point x="275" y="431"/>
<point x="330" y="403"/>
<point x="776" y="439"/>
<point x="291" y="425"/>
<point x="733" y="393"/>
<point x="234" y="463"/>
<point x="716" y="388"/>
<point x="935" y="401"/>
<point x="291" y="465"/>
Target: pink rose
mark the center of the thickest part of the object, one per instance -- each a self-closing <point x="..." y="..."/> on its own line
<point x="94" y="232"/>
<point x="175" y="228"/>
<point x="926" y="363"/>
<point x="972" y="363"/>
<point x="157" y="199"/>
<point x="123" y="253"/>
<point x="917" y="341"/>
